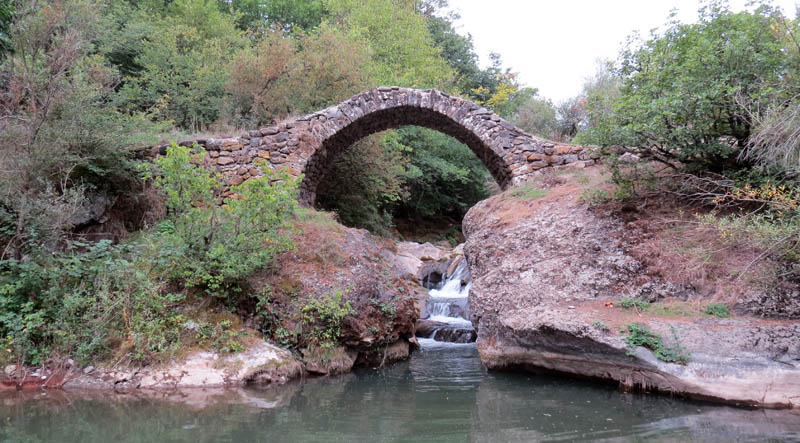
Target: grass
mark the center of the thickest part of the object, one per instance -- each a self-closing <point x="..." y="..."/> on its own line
<point x="320" y="219"/>
<point x="674" y="308"/>
<point x="528" y="192"/>
<point x="717" y="310"/>
<point x="640" y="335"/>
<point x="628" y="302"/>
<point x="600" y="325"/>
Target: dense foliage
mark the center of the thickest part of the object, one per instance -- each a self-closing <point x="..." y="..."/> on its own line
<point x="716" y="103"/>
<point x="215" y="246"/>
<point x="92" y="300"/>
<point x="87" y="83"/>
<point x="684" y="93"/>
<point x="84" y="84"/>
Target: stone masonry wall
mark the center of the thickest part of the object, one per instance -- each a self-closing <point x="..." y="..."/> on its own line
<point x="308" y="144"/>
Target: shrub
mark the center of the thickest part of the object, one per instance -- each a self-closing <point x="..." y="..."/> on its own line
<point x="60" y="135"/>
<point x="595" y="196"/>
<point x="600" y="325"/>
<point x="718" y="310"/>
<point x="628" y="302"/>
<point x="215" y="246"/>
<point x="640" y="335"/>
<point x="324" y="315"/>
<point x="86" y="303"/>
<point x="680" y="93"/>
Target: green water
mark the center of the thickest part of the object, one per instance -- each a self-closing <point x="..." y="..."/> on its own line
<point x="440" y="395"/>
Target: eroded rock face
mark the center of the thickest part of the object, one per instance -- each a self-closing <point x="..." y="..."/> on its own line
<point x="260" y="364"/>
<point x="543" y="270"/>
<point x="371" y="276"/>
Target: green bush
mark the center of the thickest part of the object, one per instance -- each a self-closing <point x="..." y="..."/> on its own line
<point x="681" y="92"/>
<point x="595" y="196"/>
<point x="324" y="315"/>
<point x="600" y="325"/>
<point x="628" y="302"/>
<point x="213" y="246"/>
<point x="86" y="303"/>
<point x="718" y="310"/>
<point x="640" y="335"/>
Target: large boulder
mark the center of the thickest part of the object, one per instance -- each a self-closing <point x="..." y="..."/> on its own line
<point x="546" y="270"/>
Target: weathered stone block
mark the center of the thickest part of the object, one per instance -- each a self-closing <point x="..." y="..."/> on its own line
<point x="538" y="164"/>
<point x="563" y="149"/>
<point x="231" y="145"/>
<point x="536" y="157"/>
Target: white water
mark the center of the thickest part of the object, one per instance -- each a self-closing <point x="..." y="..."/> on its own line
<point x="452" y="293"/>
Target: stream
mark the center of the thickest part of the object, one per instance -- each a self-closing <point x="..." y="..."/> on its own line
<point x="441" y="394"/>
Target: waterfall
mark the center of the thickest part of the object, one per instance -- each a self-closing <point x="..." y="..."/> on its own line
<point x="447" y="310"/>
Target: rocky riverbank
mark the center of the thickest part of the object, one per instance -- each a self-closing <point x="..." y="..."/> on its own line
<point x="374" y="280"/>
<point x="548" y="268"/>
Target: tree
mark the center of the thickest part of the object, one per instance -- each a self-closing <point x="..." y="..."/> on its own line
<point x="538" y="116"/>
<point x="397" y="34"/>
<point x="362" y="185"/>
<point x="286" y="14"/>
<point x="282" y="75"/>
<point x="183" y="64"/>
<point x="571" y="116"/>
<point x="60" y="135"/>
<point x="6" y="14"/>
<point x="775" y="142"/>
<point x="445" y="177"/>
<point x="678" y="98"/>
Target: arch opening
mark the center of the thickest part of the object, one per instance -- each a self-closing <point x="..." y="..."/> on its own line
<point x="414" y="183"/>
<point x="392" y="118"/>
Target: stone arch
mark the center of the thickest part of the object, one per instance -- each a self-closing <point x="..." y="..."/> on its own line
<point x="382" y="119"/>
<point x="308" y="144"/>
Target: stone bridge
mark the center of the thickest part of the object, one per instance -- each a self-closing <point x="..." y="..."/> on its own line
<point x="309" y="144"/>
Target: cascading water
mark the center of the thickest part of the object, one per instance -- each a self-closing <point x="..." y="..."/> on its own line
<point x="447" y="310"/>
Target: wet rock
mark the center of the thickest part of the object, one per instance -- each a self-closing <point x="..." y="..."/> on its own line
<point x="328" y="361"/>
<point x="259" y="363"/>
<point x="455" y="335"/>
<point x="394" y="352"/>
<point x="426" y="328"/>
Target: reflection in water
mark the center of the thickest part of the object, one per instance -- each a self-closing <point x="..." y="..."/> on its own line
<point x="442" y="394"/>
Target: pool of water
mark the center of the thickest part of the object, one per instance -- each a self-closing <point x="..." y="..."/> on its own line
<point x="442" y="394"/>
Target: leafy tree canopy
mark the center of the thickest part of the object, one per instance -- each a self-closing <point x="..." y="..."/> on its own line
<point x="681" y="91"/>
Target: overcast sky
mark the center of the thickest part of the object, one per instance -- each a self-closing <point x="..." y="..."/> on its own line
<point x="553" y="44"/>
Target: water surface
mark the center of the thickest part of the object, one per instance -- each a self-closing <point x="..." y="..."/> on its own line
<point x="442" y="394"/>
